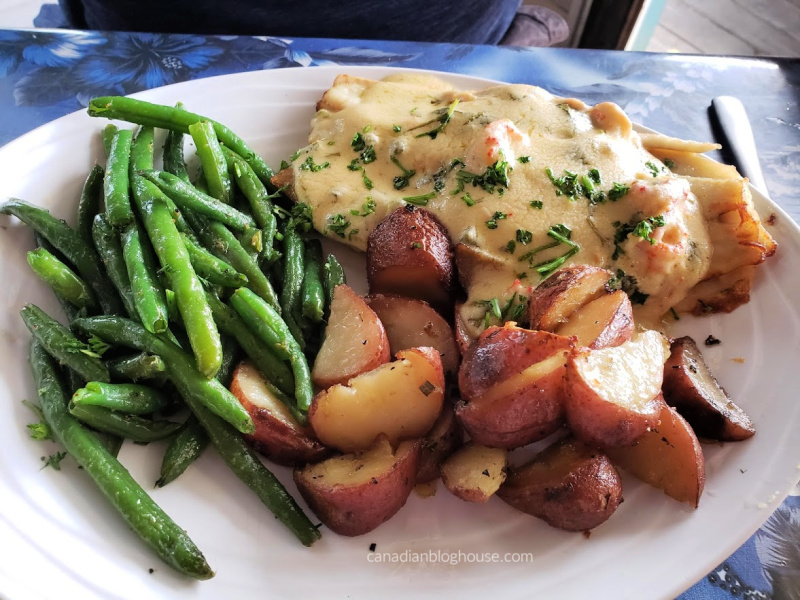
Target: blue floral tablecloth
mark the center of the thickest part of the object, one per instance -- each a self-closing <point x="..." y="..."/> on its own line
<point x="45" y="74"/>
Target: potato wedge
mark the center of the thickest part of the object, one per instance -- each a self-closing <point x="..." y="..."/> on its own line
<point x="401" y="400"/>
<point x="693" y="391"/>
<point x="409" y="253"/>
<point x="355" y="493"/>
<point x="570" y="485"/>
<point x="278" y="435"/>
<point x="464" y="338"/>
<point x="474" y="473"/>
<point x="412" y="323"/>
<point x="554" y="300"/>
<point x="440" y="442"/>
<point x="355" y="341"/>
<point x="668" y="457"/>
<point x="612" y="396"/>
<point x="511" y="383"/>
<point x="602" y="323"/>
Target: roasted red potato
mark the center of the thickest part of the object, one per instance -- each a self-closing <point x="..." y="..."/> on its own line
<point x="690" y="387"/>
<point x="440" y="442"/>
<point x="474" y="473"/>
<point x="604" y="322"/>
<point x="412" y="323"/>
<point x="555" y="300"/>
<point x="409" y="253"/>
<point x="668" y="457"/>
<point x="401" y="400"/>
<point x="570" y="485"/>
<point x="355" y="493"/>
<point x="511" y="383"/>
<point x="355" y="341"/>
<point x="278" y="435"/>
<point x="612" y="396"/>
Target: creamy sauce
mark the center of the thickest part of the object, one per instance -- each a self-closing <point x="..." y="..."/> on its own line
<point x="532" y="131"/>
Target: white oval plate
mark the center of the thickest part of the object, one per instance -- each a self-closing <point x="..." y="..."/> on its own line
<point x="59" y="537"/>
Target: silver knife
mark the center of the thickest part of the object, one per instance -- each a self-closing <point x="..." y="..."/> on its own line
<point x="736" y="130"/>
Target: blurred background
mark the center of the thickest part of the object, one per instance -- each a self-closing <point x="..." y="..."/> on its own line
<point x="731" y="27"/>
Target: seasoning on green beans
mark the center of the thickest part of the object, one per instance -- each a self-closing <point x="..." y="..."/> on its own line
<point x="185" y="447"/>
<point x="128" y="398"/>
<point x="116" y="181"/>
<point x="313" y="295"/>
<point x="109" y="249"/>
<point x="137" y="367"/>
<point x="214" y="164"/>
<point x="173" y="156"/>
<point x="89" y="203"/>
<point x="148" y="295"/>
<point x="211" y="268"/>
<point x="131" y="427"/>
<point x="142" y="150"/>
<point x="61" y="344"/>
<point x="140" y="512"/>
<point x="61" y="278"/>
<point x="189" y="293"/>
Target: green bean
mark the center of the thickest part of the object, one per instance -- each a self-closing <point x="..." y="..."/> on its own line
<point x="109" y="131"/>
<point x="251" y="240"/>
<point x="148" y="295"/>
<point x="62" y="345"/>
<point x="71" y="311"/>
<point x="112" y="443"/>
<point x="138" y="366"/>
<point x="130" y="427"/>
<point x="333" y="275"/>
<point x="263" y="357"/>
<point x="176" y="119"/>
<point x="222" y="243"/>
<point x="269" y="326"/>
<point x="173" y="156"/>
<point x="172" y="307"/>
<point x="72" y="246"/>
<point x="211" y="268"/>
<point x="313" y="296"/>
<point x="214" y="165"/>
<point x="291" y="301"/>
<point x="189" y="293"/>
<point x="187" y="196"/>
<point x="116" y="181"/>
<point x="61" y="278"/>
<point x="89" y="203"/>
<point x="128" y="398"/>
<point x="109" y="249"/>
<point x="186" y="447"/>
<point x="143" y="515"/>
<point x="142" y="150"/>
<point x="190" y="383"/>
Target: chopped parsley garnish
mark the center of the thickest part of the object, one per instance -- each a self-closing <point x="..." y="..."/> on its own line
<point x="511" y="246"/>
<point x="294" y="156"/>
<point x="401" y="181"/>
<point x="537" y="204"/>
<point x="494" y="176"/>
<point x="40" y="430"/>
<point x="284" y="165"/>
<point x="524" y="159"/>
<point x="468" y="199"/>
<point x="524" y="236"/>
<point x="354" y="166"/>
<point x="367" y="128"/>
<point x="367" y="181"/>
<point x="512" y="310"/>
<point x="674" y="314"/>
<point x="300" y="217"/>
<point x="438" y="177"/>
<point x="54" y="460"/>
<point x="443" y="120"/>
<point x="574" y="186"/>
<point x="338" y="224"/>
<point x="643" y="229"/>
<point x="419" y="200"/>
<point x="396" y="128"/>
<point x="368" y="155"/>
<point x="669" y="163"/>
<point x="415" y="245"/>
<point x="357" y="143"/>
<point x="618" y="191"/>
<point x="626" y="283"/>
<point x="310" y="165"/>
<point x="654" y="169"/>
<point x="497" y="216"/>
<point x="366" y="209"/>
<point x="594" y="176"/>
<point x="352" y="233"/>
<point x="561" y="234"/>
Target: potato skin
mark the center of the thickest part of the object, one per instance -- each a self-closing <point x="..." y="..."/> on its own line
<point x="554" y="300"/>
<point x="278" y="436"/>
<point x="409" y="253"/>
<point x="690" y="387"/>
<point x="570" y="486"/>
<point x="531" y="412"/>
<point x="356" y="509"/>
<point x="441" y="441"/>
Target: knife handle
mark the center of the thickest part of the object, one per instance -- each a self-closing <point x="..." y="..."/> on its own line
<point x="739" y="139"/>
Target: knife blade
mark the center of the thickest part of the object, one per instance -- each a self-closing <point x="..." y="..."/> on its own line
<point x="738" y="140"/>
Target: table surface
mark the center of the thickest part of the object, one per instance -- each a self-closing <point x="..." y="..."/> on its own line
<point x="45" y="74"/>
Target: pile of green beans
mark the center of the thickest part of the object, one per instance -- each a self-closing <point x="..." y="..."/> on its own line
<point x="191" y="273"/>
